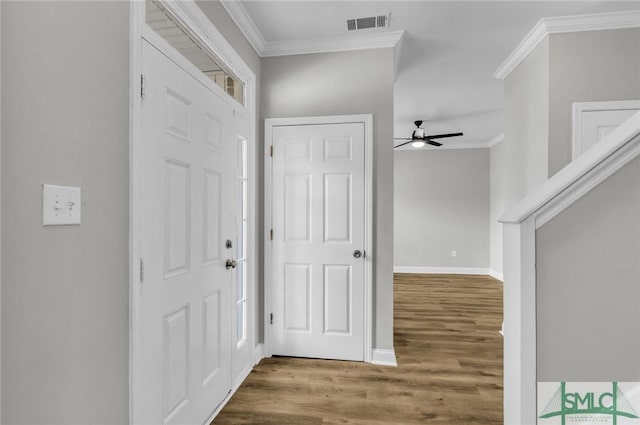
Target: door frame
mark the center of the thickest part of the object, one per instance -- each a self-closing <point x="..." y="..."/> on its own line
<point x="201" y="29"/>
<point x="269" y="125"/>
<point x="579" y="108"/>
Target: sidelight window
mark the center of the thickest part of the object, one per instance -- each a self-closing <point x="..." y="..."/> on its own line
<point x="242" y="221"/>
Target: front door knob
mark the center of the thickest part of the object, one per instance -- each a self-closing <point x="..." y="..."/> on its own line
<point x="357" y="253"/>
<point x="231" y="264"/>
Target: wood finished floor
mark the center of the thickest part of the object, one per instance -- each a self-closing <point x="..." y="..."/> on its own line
<point x="449" y="367"/>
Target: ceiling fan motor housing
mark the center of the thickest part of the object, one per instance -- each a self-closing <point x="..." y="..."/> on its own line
<point x="419" y="138"/>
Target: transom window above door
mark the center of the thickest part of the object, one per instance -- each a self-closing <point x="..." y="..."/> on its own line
<point x="160" y="20"/>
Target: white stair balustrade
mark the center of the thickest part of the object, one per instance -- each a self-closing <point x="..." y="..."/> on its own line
<point x="561" y="191"/>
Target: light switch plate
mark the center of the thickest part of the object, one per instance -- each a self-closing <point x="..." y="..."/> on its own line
<point x="60" y="205"/>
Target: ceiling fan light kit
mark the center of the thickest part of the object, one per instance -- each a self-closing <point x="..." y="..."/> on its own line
<point x="419" y="138"/>
<point x="418" y="133"/>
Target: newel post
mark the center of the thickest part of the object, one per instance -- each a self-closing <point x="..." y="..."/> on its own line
<point x="519" y="323"/>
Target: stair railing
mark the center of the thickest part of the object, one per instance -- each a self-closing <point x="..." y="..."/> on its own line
<point x="571" y="183"/>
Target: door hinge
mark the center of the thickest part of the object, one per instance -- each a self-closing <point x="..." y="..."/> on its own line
<point x="141" y="270"/>
<point x="142" y="93"/>
<point x="271" y="234"/>
<point x="271" y="319"/>
<point x="271" y="151"/>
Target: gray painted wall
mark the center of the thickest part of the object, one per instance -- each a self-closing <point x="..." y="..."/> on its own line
<point x="441" y="200"/>
<point x="526" y="105"/>
<point x="65" y="297"/>
<point x="498" y="181"/>
<point x="588" y="66"/>
<point x="223" y="23"/>
<point x="356" y="82"/>
<point x="588" y="291"/>
<point x="519" y="163"/>
<point x="562" y="69"/>
<point x="65" y="304"/>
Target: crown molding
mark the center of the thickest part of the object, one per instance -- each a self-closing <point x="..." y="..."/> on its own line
<point x="239" y="15"/>
<point x="263" y="48"/>
<point x="499" y="138"/>
<point x="565" y="24"/>
<point x="526" y="46"/>
<point x="333" y="44"/>
<point x="469" y="145"/>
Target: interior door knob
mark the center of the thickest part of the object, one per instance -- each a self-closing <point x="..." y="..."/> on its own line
<point x="357" y="253"/>
<point x="230" y="264"/>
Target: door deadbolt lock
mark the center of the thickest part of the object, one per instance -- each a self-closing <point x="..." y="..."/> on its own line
<point x="357" y="253"/>
<point x="228" y="244"/>
<point x="230" y="264"/>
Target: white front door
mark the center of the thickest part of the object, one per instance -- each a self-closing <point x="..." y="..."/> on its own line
<point x="318" y="241"/>
<point x="187" y="189"/>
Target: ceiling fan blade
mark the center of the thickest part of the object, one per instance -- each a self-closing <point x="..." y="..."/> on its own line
<point x="442" y="136"/>
<point x="431" y="142"/>
<point x="402" y="144"/>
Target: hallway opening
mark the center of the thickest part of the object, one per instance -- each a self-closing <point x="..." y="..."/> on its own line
<point x="449" y="366"/>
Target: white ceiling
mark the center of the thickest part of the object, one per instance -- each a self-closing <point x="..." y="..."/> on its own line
<point x="449" y="52"/>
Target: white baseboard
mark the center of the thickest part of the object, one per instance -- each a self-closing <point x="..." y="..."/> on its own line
<point x="496" y="275"/>
<point x="383" y="357"/>
<point x="258" y="353"/>
<point x="441" y="270"/>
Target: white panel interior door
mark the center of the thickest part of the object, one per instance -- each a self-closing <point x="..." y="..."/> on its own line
<point x="318" y="223"/>
<point x="188" y="200"/>
<point x="594" y="120"/>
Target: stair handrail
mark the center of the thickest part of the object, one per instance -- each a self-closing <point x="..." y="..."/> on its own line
<point x="581" y="166"/>
<point x="520" y="223"/>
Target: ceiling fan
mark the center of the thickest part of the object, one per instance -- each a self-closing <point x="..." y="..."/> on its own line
<point x="419" y="138"/>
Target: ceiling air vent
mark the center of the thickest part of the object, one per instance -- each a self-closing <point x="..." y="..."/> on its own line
<point x="381" y="21"/>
